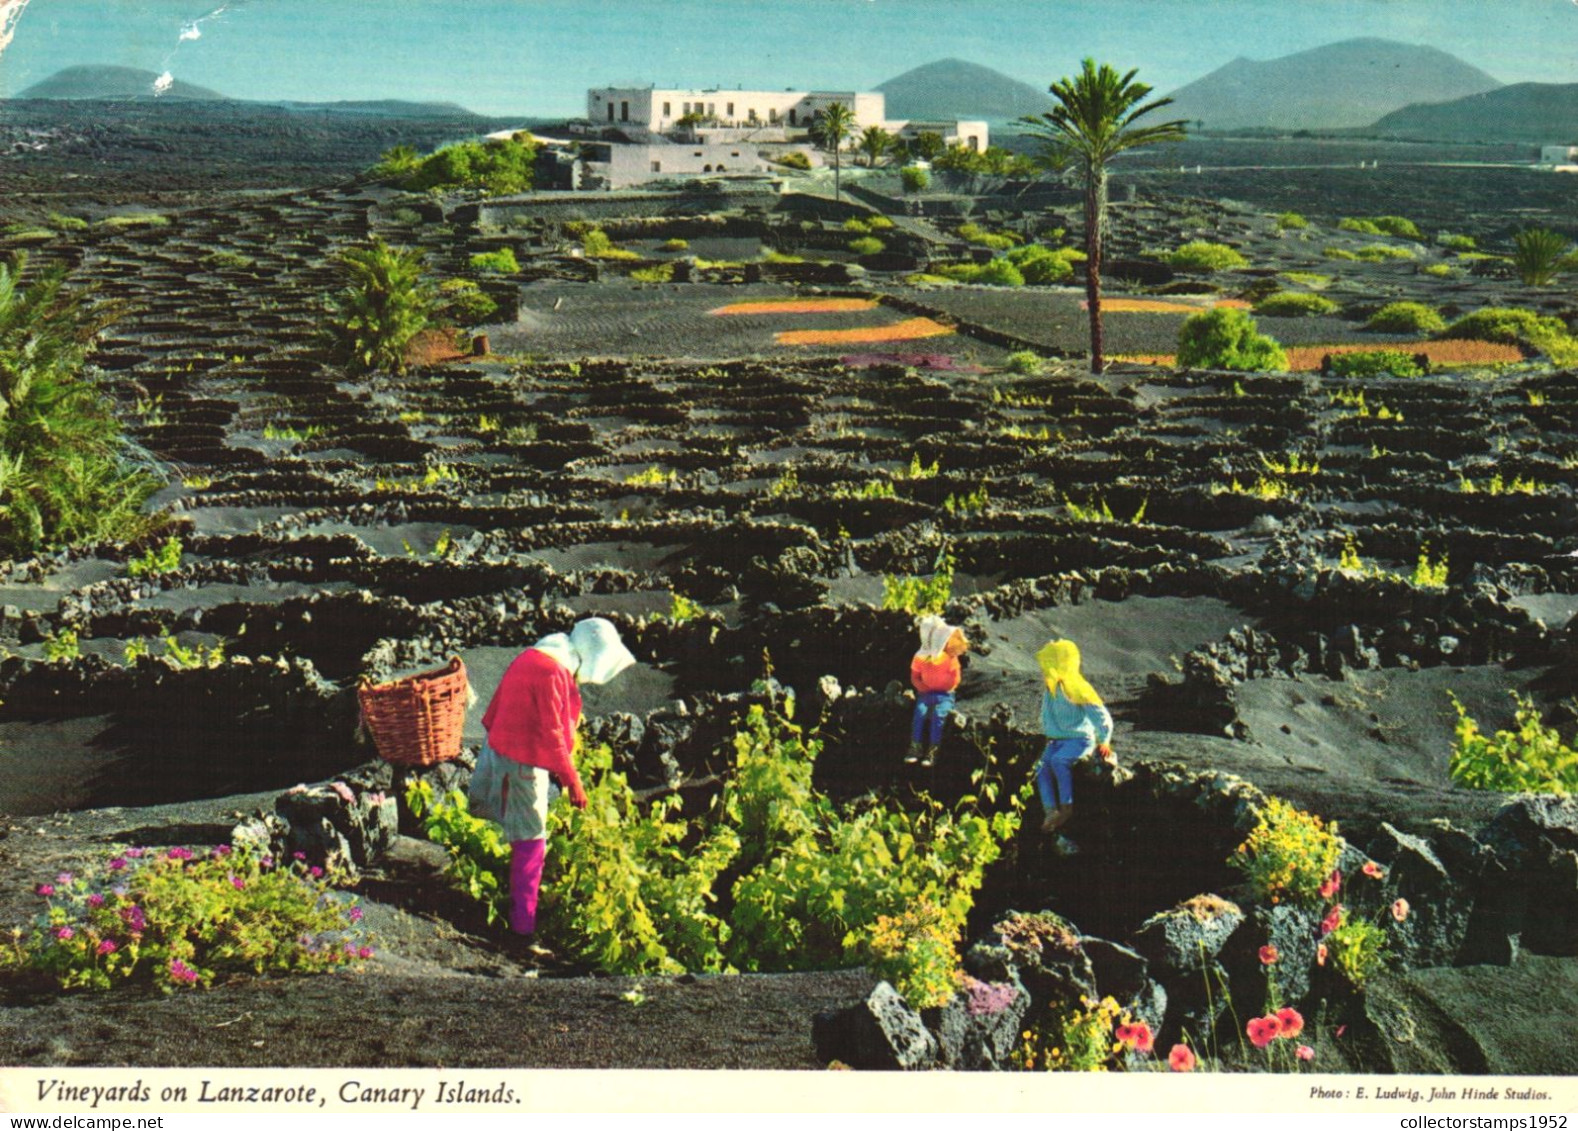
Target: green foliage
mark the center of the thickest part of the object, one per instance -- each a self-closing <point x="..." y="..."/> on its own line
<point x="1406" y="318"/>
<point x="920" y="595"/>
<point x="496" y="166"/>
<point x="1097" y="509"/>
<point x="464" y="303"/>
<point x="1399" y="226"/>
<point x="1540" y="255"/>
<point x="660" y="273"/>
<point x="794" y="159"/>
<point x="1295" y="304"/>
<point x="385" y="303"/>
<point x="997" y="241"/>
<point x="1441" y="271"/>
<point x="1026" y="363"/>
<point x="479" y="857"/>
<point x="1380" y="252"/>
<point x="992" y="161"/>
<point x="228" y="260"/>
<point x="914" y="179"/>
<point x="874" y="142"/>
<point x="135" y="220"/>
<point x="174" y="919"/>
<point x="597" y="245"/>
<point x="1292" y="221"/>
<point x="1375" y="363"/>
<point x="1531" y="758"/>
<point x="1043" y="266"/>
<point x="1429" y="573"/>
<point x="975" y="500"/>
<point x="1338" y="253"/>
<point x="1076" y="1038"/>
<point x="1310" y="279"/>
<point x="917" y="953"/>
<point x="62" y="647"/>
<point x="675" y="244"/>
<point x="681" y="608"/>
<point x="1359" y="950"/>
<point x="64" y="478"/>
<point x="499" y="262"/>
<point x="1518" y="327"/>
<point x="1224" y="338"/>
<point x="160" y="559"/>
<point x="198" y="656"/>
<point x="63" y="223"/>
<point x="1202" y="256"/>
<point x="993" y="273"/>
<point x="396" y="164"/>
<point x="1288" y="855"/>
<point x="867" y="245"/>
<point x="1456" y="243"/>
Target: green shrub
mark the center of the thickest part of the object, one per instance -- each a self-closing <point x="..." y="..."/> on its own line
<point x="135" y="220"/>
<point x="794" y="160"/>
<point x="1308" y="279"/>
<point x="1380" y="252"/>
<point x="499" y="262"/>
<point x="464" y="303"/>
<point x="1457" y="243"/>
<point x="878" y="223"/>
<point x="1399" y="226"/>
<point x="995" y="273"/>
<point x="1517" y="327"/>
<point x="856" y="224"/>
<point x="228" y="260"/>
<point x="175" y="919"/>
<point x="1359" y="949"/>
<point x="914" y="179"/>
<point x="1338" y="253"/>
<point x="161" y="559"/>
<point x="997" y="241"/>
<point x="1201" y="256"/>
<point x="1225" y="338"/>
<point x="1406" y="318"/>
<point x="661" y="273"/>
<point x="1540" y="255"/>
<point x="65" y="478"/>
<point x="1532" y="758"/>
<point x="1295" y="304"/>
<point x="597" y="245"/>
<point x="1042" y="266"/>
<point x="1288" y="855"/>
<point x="919" y="595"/>
<point x="495" y="166"/>
<point x="1375" y="363"/>
<point x="916" y="952"/>
<point x="396" y="164"/>
<point x="1442" y="271"/>
<point x="867" y="245"/>
<point x="781" y="257"/>
<point x="1292" y="221"/>
<point x="1026" y="363"/>
<point x="675" y="244"/>
<point x="385" y="304"/>
<point x="1363" y="227"/>
<point x="63" y="223"/>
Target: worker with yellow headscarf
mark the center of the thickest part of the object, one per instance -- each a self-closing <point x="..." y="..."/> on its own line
<point x="1075" y="722"/>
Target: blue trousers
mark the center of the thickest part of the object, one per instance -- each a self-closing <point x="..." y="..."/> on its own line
<point x="1055" y="771"/>
<point x="935" y="706"/>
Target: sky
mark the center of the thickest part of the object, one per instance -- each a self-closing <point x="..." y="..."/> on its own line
<point x="538" y="57"/>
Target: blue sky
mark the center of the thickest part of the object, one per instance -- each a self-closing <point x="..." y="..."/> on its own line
<point x="537" y="57"/>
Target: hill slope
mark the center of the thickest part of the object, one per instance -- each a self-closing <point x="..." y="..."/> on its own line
<point x="1527" y="111"/>
<point x="114" y="82"/>
<point x="953" y="88"/>
<point x="1345" y="84"/>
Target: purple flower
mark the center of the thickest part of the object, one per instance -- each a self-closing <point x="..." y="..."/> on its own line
<point x="238" y="883"/>
<point x="356" y="914"/>
<point x="45" y="889"/>
<point x="118" y="863"/>
<point x="988" y="998"/>
<point x="315" y="871"/>
<point x="181" y="972"/>
<point x="220" y="851"/>
<point x="95" y="900"/>
<point x="134" y="853"/>
<point x="178" y="854"/>
<point x="108" y="946"/>
<point x="364" y="952"/>
<point x="65" y="933"/>
<point x="298" y="855"/>
<point x="134" y="918"/>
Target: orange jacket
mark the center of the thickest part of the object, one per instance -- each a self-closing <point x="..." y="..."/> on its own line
<point x="935" y="673"/>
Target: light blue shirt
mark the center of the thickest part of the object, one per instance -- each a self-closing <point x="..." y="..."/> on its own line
<point x="1062" y="718"/>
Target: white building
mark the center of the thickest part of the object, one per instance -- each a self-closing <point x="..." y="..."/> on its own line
<point x="661" y="110"/>
<point x="1559" y="155"/>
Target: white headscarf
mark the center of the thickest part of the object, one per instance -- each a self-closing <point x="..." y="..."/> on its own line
<point x="934" y="635"/>
<point x="592" y="651"/>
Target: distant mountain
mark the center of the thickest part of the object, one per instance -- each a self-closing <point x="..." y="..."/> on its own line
<point x="1345" y="84"/>
<point x="1541" y="113"/>
<point x="953" y="88"/>
<point x="115" y="83"/>
<point x="383" y="108"/>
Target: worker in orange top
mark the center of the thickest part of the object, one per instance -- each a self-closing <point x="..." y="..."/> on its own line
<point x="935" y="675"/>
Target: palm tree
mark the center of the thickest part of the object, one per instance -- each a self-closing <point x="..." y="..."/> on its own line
<point x="836" y="124"/>
<point x="874" y="143"/>
<point x="1093" y="122"/>
<point x="385" y="304"/>
<point x="1541" y="255"/>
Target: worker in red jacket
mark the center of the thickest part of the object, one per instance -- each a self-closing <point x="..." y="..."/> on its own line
<point x="531" y="723"/>
<point x="934" y="673"/>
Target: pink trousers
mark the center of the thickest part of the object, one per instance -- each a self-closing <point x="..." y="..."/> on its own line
<point x="526" y="860"/>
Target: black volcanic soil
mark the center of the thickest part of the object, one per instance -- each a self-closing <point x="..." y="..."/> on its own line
<point x="626" y="444"/>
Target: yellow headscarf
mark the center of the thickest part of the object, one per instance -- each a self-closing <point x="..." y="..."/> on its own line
<point x="1059" y="662"/>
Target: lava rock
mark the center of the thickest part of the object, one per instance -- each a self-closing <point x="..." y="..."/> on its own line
<point x="1535" y="840"/>
<point x="1440" y="898"/>
<point x="978" y="1029"/>
<point x="1186" y="939"/>
<point x="334" y="822"/>
<point x="880" y="1033"/>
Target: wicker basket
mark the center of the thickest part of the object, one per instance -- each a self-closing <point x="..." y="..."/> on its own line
<point x="417" y="721"/>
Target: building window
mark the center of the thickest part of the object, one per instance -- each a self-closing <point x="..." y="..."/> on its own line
<point x="750" y="115"/>
<point x="712" y="109"/>
<point x="665" y="109"/>
<point x="772" y="116"/>
<point x="657" y="166"/>
<point x="734" y="153"/>
<point x="624" y="111"/>
<point x="794" y="117"/>
<point x="610" y="111"/>
<point x="696" y="154"/>
<point x="729" y="110"/>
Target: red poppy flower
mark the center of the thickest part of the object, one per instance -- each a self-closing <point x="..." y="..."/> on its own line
<point x="1263" y="1030"/>
<point x="1320" y="955"/>
<point x="1181" y="1059"/>
<point x="1332" y="885"/>
<point x="1143" y="1039"/>
<point x="1373" y="870"/>
<point x="1292" y="1022"/>
<point x="1268" y="955"/>
<point x="1333" y="920"/>
<point x="1400" y="910"/>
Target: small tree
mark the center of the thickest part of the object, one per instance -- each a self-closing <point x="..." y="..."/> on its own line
<point x="1225" y="338"/>
<point x="834" y="127"/>
<point x="1540" y="255"/>
<point x="914" y="179"/>
<point x="874" y="143"/>
<point x="927" y="145"/>
<point x="386" y="303"/>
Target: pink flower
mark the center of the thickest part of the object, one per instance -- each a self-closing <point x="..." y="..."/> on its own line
<point x="45" y="889"/>
<point x="63" y="878"/>
<point x="1400" y="909"/>
<point x="1332" y="921"/>
<point x="1181" y="1059"/>
<point x="178" y="854"/>
<point x="298" y="855"/>
<point x="1292" y="1022"/>
<point x="1263" y="1030"/>
<point x="1374" y="871"/>
<point x="238" y="883"/>
<point x="315" y="872"/>
<point x="1306" y="1053"/>
<point x="220" y="851"/>
<point x="117" y="863"/>
<point x="108" y="946"/>
<point x="1320" y="954"/>
<point x="134" y="918"/>
<point x="1332" y="885"/>
<point x="95" y="900"/>
<point x="65" y="933"/>
<point x="356" y="914"/>
<point x="181" y="972"/>
<point x="1269" y="955"/>
<point x="365" y="952"/>
<point x="134" y="853"/>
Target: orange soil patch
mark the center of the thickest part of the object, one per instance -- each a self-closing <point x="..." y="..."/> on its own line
<point x="432" y="347"/>
<point x="908" y="330"/>
<point x="1163" y="306"/>
<point x="1307" y="359"/>
<point x="797" y="306"/>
